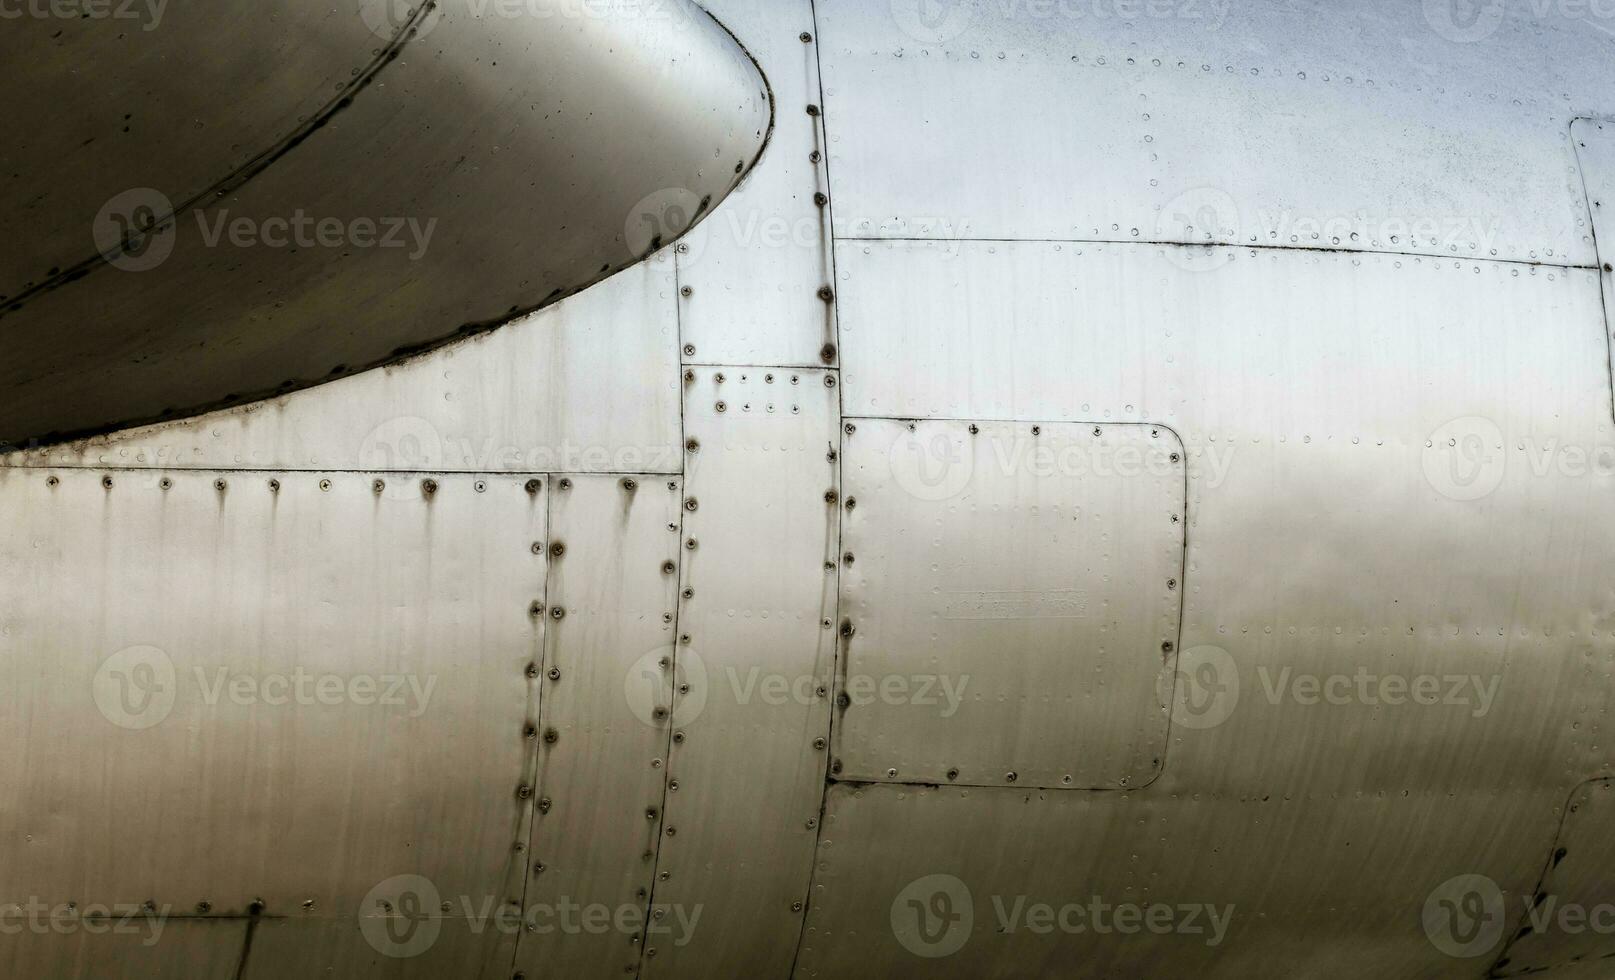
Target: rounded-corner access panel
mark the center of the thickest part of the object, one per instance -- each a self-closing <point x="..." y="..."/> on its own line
<point x="458" y="167"/>
<point x="1011" y="601"/>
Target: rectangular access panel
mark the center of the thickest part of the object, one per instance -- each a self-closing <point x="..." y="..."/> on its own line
<point x="1011" y="595"/>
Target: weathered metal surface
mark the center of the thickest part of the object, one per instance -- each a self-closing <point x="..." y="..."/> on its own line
<point x="1313" y="881"/>
<point x="1141" y="122"/>
<point x="1570" y="917"/>
<point x="474" y="940"/>
<point x="1595" y="152"/>
<point x="295" y="686"/>
<point x="590" y="384"/>
<point x="603" y="725"/>
<point x="126" y="944"/>
<point x="755" y="269"/>
<point x="1014" y="591"/>
<point x="749" y="735"/>
<point x="471" y="163"/>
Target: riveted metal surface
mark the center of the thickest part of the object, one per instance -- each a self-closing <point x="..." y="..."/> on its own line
<point x="454" y="183"/>
<point x="1014" y="592"/>
<point x="474" y="939"/>
<point x="759" y="569"/>
<point x="129" y="946"/>
<point x="755" y="269"/>
<point x="1595" y="152"/>
<point x="1570" y="918"/>
<point x="589" y="384"/>
<point x="1305" y="883"/>
<point x="604" y="705"/>
<point x="1076" y="121"/>
<point x="295" y="687"/>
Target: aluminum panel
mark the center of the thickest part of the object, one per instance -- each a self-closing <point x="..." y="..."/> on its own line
<point x="473" y="940"/>
<point x="603" y="726"/>
<point x="131" y="945"/>
<point x="755" y="268"/>
<point x="1305" y="124"/>
<point x="1014" y="591"/>
<point x="1309" y="882"/>
<point x="747" y="763"/>
<point x="590" y="384"/>
<point x="478" y="164"/>
<point x="295" y="686"/>
<point x="1453" y="414"/>
<point x="1595" y="151"/>
<point x="1570" y="918"/>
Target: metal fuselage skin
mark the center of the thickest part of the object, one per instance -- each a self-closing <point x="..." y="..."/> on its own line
<point x="1117" y="490"/>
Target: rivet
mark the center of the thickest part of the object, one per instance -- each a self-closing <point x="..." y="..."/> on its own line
<point x="650" y="813"/>
<point x="165" y="483"/>
<point x="690" y="545"/>
<point x="220" y="485"/>
<point x="532" y="670"/>
<point x="718" y="377"/>
<point x="536" y="609"/>
<point x="378" y="485"/>
<point x="534" y="486"/>
<point x="847" y="558"/>
<point x="818" y="743"/>
<point x="688" y="593"/>
<point x="829" y="496"/>
<point x="827" y="294"/>
<point x="629" y="485"/>
<point x="812" y="822"/>
<point x="1096" y="430"/>
<point x="689" y="375"/>
<point x="1171" y="583"/>
<point x="529" y="732"/>
<point x="429" y="487"/>
<point x="566" y="484"/>
<point x="671" y="831"/>
<point x="538" y="867"/>
<point x="1009" y="777"/>
<point x="806" y="38"/>
<point x="796" y="906"/>
<point x="846" y="627"/>
<point x="673" y="785"/>
<point x="829" y="381"/>
<point x="852" y="502"/>
<point x="678" y="736"/>
<point x="684" y="638"/>
<point x="1175" y="457"/>
<point x="1167" y="647"/>
<point x="668" y="568"/>
<point x="691" y="446"/>
<point x="849" y="428"/>
<point x="688" y="291"/>
<point x="51" y="481"/>
<point x="557" y="549"/>
<point x="557" y="613"/>
<point x="544" y="804"/>
<point x="308" y="904"/>
<point x="325" y="485"/>
<point x="820" y="199"/>
<point x="481" y="486"/>
<point x="952" y="775"/>
<point x="555" y="673"/>
<point x="721" y="407"/>
<point x="660" y="713"/>
<point x="683" y="247"/>
<point x="891" y="773"/>
<point x="538" y="547"/>
<point x="691" y="505"/>
<point x="827" y="354"/>
<point x="524" y="791"/>
<point x="844" y="699"/>
<point x="551" y="736"/>
<point x="812" y="110"/>
<point x="1037" y="430"/>
<point x="106" y="482"/>
<point x="815" y="156"/>
<point x="204" y="907"/>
